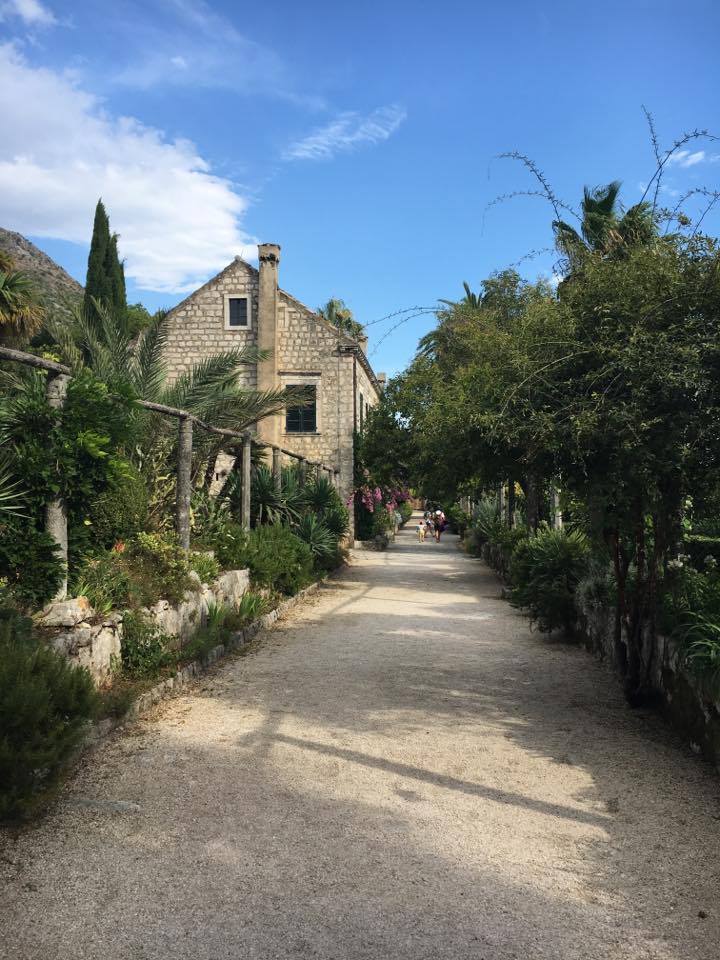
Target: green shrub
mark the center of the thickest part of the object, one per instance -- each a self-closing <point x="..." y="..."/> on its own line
<point x="406" y="511"/>
<point x="686" y="592"/>
<point x="144" y="648"/>
<point x="231" y="547"/>
<point x="149" y="567"/>
<point x="703" y="552"/>
<point x="158" y="567"/>
<point x="383" y="521"/>
<point x="337" y="520"/>
<point x="121" y="512"/>
<point x="209" y="517"/>
<point x="322" y="542"/>
<point x="278" y="559"/>
<point x="700" y="636"/>
<point x="252" y="606"/>
<point x="597" y="590"/>
<point x="205" y="565"/>
<point x="29" y="563"/>
<point x="545" y="571"/>
<point x="474" y="541"/>
<point x="106" y="582"/>
<point x="458" y="519"/>
<point x="45" y="704"/>
<point x="275" y="557"/>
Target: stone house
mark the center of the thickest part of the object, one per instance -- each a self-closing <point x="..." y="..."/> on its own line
<point x="244" y="306"/>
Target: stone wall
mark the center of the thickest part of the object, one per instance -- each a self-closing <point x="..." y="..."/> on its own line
<point x="196" y="328"/>
<point x="94" y="642"/>
<point x="685" y="699"/>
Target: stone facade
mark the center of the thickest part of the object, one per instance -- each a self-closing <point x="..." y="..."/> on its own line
<point x="93" y="642"/>
<point x="305" y="350"/>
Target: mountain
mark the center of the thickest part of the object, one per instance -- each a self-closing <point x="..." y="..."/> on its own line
<point x="55" y="285"/>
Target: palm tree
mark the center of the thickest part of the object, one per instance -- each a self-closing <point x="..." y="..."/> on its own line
<point x="604" y="228"/>
<point x="133" y="366"/>
<point x="341" y="316"/>
<point x="21" y="313"/>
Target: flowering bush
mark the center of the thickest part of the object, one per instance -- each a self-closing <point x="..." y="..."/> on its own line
<point x="375" y="509"/>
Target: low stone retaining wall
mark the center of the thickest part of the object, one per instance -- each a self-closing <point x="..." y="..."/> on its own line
<point x="93" y="641"/>
<point x="175" y="684"/>
<point x="685" y="699"/>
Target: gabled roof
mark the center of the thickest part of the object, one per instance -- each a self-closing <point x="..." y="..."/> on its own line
<point x="346" y="343"/>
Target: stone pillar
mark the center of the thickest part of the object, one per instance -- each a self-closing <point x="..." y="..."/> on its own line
<point x="246" y="481"/>
<point x="277" y="468"/>
<point x="267" y="337"/>
<point x="55" y="510"/>
<point x="183" y="487"/>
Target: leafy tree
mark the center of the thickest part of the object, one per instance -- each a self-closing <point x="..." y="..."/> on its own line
<point x="133" y="367"/>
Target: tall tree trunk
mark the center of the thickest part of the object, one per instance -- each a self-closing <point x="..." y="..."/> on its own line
<point x="532" y="501"/>
<point x="511" y="503"/>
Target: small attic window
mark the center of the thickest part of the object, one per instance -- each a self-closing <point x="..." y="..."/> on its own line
<point x="237" y="312"/>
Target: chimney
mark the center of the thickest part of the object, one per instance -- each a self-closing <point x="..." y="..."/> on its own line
<point x="362" y="342"/>
<point x="267" y="378"/>
<point x="382" y="380"/>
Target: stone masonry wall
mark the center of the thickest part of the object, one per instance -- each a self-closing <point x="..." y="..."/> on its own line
<point x="689" y="703"/>
<point x="197" y="325"/>
<point x="93" y="642"/>
<point x="307" y="353"/>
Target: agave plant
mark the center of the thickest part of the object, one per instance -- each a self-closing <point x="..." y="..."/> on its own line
<point x="337" y="520"/>
<point x="316" y="535"/>
<point x="319" y="494"/>
<point x="267" y="502"/>
<point x="11" y="495"/>
<point x="700" y="637"/>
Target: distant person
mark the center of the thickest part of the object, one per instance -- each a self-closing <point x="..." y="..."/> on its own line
<point x="439" y="524"/>
<point x="422" y="530"/>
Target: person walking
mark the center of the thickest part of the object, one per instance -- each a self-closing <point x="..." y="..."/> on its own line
<point x="439" y="521"/>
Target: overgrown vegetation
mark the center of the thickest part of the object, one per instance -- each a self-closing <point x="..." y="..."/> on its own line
<point x="595" y="399"/>
<point x="45" y="704"/>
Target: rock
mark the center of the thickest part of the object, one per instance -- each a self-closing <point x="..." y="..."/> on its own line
<point x="66" y="613"/>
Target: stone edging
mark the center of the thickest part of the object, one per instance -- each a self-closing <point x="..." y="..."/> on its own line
<point x="185" y="675"/>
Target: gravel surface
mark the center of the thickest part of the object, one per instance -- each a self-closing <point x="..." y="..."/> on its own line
<point x="400" y="769"/>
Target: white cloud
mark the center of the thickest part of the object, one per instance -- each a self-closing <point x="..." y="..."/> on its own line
<point x="60" y="151"/>
<point x="686" y="158"/>
<point x="345" y="133"/>
<point x="217" y="56"/>
<point x="31" y="12"/>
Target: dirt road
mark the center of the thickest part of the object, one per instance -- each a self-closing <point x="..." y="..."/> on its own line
<point x="399" y="770"/>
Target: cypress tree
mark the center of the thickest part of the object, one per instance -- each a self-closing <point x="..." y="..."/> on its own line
<point x="105" y="274"/>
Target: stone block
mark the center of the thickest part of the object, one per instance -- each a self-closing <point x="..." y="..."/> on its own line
<point x="66" y="613"/>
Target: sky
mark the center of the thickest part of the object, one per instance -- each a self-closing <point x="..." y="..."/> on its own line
<point x="363" y="138"/>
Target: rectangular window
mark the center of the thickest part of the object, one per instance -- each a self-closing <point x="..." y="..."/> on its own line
<point x="303" y="419"/>
<point x="237" y="312"/>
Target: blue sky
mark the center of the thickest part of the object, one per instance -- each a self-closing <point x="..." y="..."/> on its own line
<point x="359" y="137"/>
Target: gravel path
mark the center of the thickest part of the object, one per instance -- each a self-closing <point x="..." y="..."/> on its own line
<point x="398" y="770"/>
